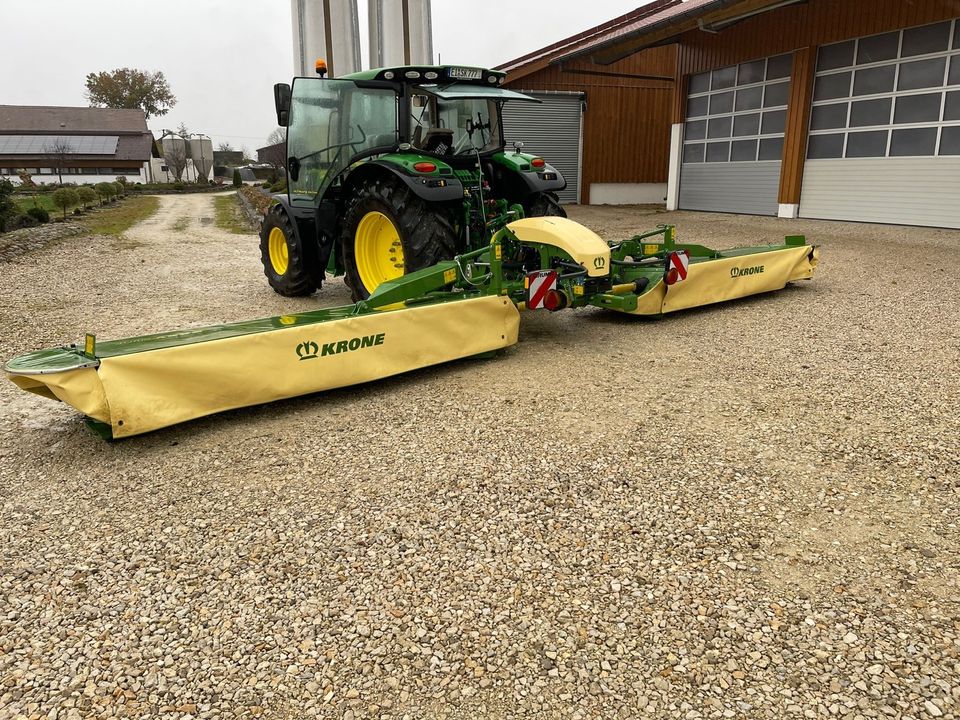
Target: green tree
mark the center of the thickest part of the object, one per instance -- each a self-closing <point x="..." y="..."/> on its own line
<point x="237" y="181"/>
<point x="87" y="195"/>
<point x="131" y="88"/>
<point x="65" y="198"/>
<point x="7" y="207"/>
<point x="105" y="190"/>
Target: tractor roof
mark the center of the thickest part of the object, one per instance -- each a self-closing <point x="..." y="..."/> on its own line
<point x="421" y="74"/>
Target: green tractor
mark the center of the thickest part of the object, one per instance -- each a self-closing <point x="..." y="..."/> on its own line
<point x="390" y="171"/>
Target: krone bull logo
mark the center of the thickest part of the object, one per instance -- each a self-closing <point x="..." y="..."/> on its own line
<point x="307" y="350"/>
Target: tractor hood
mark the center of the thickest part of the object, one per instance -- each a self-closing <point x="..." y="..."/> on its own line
<point x="460" y="91"/>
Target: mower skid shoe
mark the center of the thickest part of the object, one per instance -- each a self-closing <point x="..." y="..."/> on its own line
<point x="138" y="391"/>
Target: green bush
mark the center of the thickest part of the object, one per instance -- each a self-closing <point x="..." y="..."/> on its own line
<point x="65" y="198"/>
<point x="178" y="186"/>
<point x="7" y="207"/>
<point x="20" y="221"/>
<point x="120" y="190"/>
<point x="237" y="180"/>
<point x="87" y="195"/>
<point x="105" y="190"/>
<point x="39" y="214"/>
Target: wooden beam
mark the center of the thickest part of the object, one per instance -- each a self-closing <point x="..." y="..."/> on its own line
<point x="798" y="120"/>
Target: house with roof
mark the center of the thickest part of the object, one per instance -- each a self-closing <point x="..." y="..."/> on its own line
<point x="83" y="145"/>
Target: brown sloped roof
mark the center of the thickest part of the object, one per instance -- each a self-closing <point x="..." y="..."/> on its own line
<point x="656" y="23"/>
<point x="30" y="119"/>
<point x="572" y="43"/>
<point x="135" y="147"/>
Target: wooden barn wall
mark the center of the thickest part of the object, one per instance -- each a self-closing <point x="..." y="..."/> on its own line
<point x="626" y="128"/>
<point x="817" y="22"/>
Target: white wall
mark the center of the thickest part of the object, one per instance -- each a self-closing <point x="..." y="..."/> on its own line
<point x="90" y="179"/>
<point x="627" y="193"/>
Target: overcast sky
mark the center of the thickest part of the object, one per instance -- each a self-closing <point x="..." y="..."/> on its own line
<point x="222" y="57"/>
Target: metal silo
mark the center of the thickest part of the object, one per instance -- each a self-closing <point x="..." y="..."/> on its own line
<point x="335" y="38"/>
<point x="401" y="33"/>
<point x="201" y="152"/>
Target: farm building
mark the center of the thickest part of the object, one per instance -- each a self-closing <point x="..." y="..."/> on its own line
<point x="79" y="144"/>
<point x="832" y="109"/>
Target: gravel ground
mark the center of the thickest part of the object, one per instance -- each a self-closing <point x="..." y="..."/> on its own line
<point x="748" y="510"/>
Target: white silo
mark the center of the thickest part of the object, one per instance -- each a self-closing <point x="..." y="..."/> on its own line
<point x="401" y="33"/>
<point x="336" y="38"/>
<point x="201" y="152"/>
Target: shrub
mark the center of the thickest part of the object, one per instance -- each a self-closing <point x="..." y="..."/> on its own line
<point x="237" y="180"/>
<point x="105" y="190"/>
<point x="178" y="186"/>
<point x="7" y="207"/>
<point x="120" y="191"/>
<point x="20" y="221"/>
<point x="87" y="195"/>
<point x="65" y="198"/>
<point x="39" y="214"/>
<point x="121" y="180"/>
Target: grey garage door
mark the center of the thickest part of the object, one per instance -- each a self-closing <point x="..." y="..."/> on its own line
<point x="884" y="141"/>
<point x="733" y="137"/>
<point x="551" y="129"/>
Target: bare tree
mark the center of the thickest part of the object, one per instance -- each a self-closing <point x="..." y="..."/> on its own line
<point x="275" y="152"/>
<point x="175" y="156"/>
<point x="224" y="147"/>
<point x="59" y="152"/>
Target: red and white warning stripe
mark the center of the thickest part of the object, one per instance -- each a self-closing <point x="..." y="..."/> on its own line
<point x="677" y="263"/>
<point x="540" y="283"/>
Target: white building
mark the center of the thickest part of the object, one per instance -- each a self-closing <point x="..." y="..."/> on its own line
<point x="76" y="144"/>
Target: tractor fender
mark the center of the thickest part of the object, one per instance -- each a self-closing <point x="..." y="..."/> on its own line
<point x="317" y="248"/>
<point x="521" y="184"/>
<point x="451" y="190"/>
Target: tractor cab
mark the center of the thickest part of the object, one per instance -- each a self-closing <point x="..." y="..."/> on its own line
<point x="429" y="139"/>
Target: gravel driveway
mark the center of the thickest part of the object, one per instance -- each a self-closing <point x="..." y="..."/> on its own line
<point x="748" y="510"/>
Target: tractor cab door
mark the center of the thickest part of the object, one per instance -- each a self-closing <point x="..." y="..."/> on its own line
<point x="331" y="125"/>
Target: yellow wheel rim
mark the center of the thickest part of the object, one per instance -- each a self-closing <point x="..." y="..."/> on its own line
<point x="279" y="255"/>
<point x="378" y="250"/>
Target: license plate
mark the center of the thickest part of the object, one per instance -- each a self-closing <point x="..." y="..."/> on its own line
<point x="462" y="73"/>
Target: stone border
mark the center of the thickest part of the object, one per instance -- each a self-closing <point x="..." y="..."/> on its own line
<point x="15" y="243"/>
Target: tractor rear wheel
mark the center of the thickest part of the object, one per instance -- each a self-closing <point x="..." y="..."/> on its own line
<point x="545" y="203"/>
<point x="282" y="255"/>
<point x="388" y="232"/>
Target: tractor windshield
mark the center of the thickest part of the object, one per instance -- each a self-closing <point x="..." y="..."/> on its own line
<point x="454" y="127"/>
<point x="331" y="122"/>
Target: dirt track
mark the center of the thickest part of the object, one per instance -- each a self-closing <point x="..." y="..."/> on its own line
<point x="748" y="510"/>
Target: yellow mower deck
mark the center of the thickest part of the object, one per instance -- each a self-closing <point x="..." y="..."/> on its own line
<point x="460" y="308"/>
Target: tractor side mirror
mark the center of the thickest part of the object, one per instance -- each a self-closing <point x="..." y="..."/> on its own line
<point x="281" y="99"/>
<point x="518" y="147"/>
<point x="293" y="168"/>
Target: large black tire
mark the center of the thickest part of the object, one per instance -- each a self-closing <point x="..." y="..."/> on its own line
<point x="543" y="204"/>
<point x="297" y="278"/>
<point x="426" y="230"/>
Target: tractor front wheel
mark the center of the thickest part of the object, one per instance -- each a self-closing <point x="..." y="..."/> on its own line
<point x="388" y="232"/>
<point x="542" y="204"/>
<point x="282" y="255"/>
